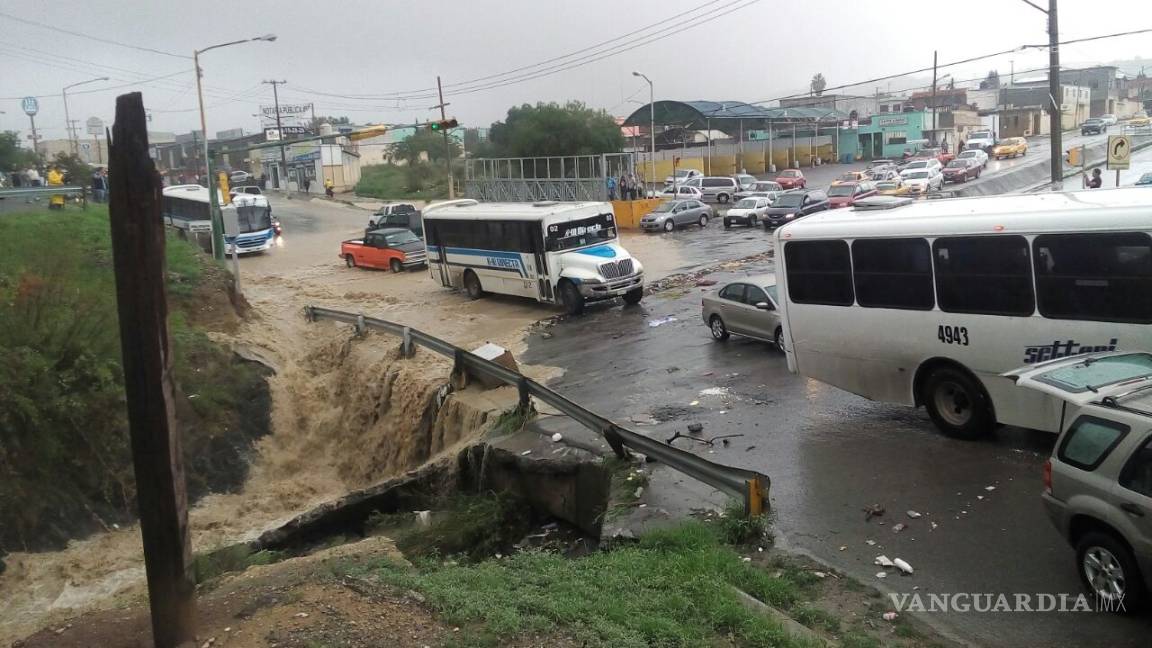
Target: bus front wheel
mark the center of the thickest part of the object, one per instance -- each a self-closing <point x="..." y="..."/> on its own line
<point x="472" y="285"/>
<point x="957" y="403"/>
<point x="571" y="297"/>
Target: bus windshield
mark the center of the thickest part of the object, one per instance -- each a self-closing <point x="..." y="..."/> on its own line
<point x="580" y="233"/>
<point x="253" y="218"/>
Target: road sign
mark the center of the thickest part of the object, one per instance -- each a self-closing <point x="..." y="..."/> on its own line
<point x="95" y="126"/>
<point x="1119" y="151"/>
<point x="30" y="106"/>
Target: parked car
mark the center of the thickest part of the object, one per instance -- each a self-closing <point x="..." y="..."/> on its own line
<point x="748" y="211"/>
<point x="791" y="179"/>
<point x="1139" y="121"/>
<point x="1108" y="119"/>
<point x="883" y="173"/>
<point x="747" y="307"/>
<point x="922" y="181"/>
<point x="718" y="189"/>
<point x="1094" y="126"/>
<point x="251" y="190"/>
<point x="791" y="205"/>
<point x="845" y="194"/>
<point x="882" y="162"/>
<point x="390" y="248"/>
<point x="1098" y="481"/>
<point x="962" y="170"/>
<point x="404" y="215"/>
<point x="982" y="139"/>
<point x="851" y="176"/>
<point x="681" y="176"/>
<point x="744" y="181"/>
<point x="676" y="213"/>
<point x="936" y="152"/>
<point x="682" y="192"/>
<point x="974" y="154"/>
<point x="922" y="163"/>
<point x="1010" y="147"/>
<point x="1145" y="180"/>
<point x="894" y="187"/>
<point x="760" y="187"/>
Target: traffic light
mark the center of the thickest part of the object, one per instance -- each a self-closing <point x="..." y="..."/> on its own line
<point x="443" y="125"/>
<point x="1073" y="156"/>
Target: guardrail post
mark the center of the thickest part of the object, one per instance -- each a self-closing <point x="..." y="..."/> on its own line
<point x="459" y="371"/>
<point x="754" y="497"/>
<point x="407" y="349"/>
<point x="525" y="396"/>
<point x="616" y="442"/>
<point x="360" y="326"/>
<point x="309" y="314"/>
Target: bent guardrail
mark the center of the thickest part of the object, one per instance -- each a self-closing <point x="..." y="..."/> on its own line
<point x="749" y="485"/>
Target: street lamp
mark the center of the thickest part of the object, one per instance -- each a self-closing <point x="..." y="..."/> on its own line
<point x="67" y="119"/>
<point x="217" y="223"/>
<point x="651" y="126"/>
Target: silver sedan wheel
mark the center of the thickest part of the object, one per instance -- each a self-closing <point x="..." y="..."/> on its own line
<point x="1104" y="573"/>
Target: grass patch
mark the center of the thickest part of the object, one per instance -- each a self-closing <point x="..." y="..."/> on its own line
<point x="470" y="526"/>
<point x="626" y="478"/>
<point x="231" y="559"/>
<point x="738" y="528"/>
<point x="411" y="182"/>
<point x="512" y="421"/>
<point x="815" y="618"/>
<point x="860" y="640"/>
<point x="671" y="589"/>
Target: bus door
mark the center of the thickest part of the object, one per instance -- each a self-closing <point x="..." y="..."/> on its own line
<point x="544" y="281"/>
<point x="433" y="237"/>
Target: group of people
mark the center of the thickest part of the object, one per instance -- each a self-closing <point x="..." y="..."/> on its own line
<point x="627" y="186"/>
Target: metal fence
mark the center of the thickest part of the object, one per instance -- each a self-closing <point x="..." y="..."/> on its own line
<point x="567" y="178"/>
<point x="35" y="197"/>
<point x="750" y="486"/>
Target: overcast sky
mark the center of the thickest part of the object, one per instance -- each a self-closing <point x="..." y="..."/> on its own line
<point x="760" y="50"/>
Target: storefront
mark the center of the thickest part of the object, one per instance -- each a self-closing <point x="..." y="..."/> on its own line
<point x="313" y="162"/>
<point x="884" y="136"/>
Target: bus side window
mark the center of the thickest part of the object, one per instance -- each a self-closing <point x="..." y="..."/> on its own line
<point x="893" y="273"/>
<point x="984" y="275"/>
<point x="1099" y="277"/>
<point x="819" y="272"/>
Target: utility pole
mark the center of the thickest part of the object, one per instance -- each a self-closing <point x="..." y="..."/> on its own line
<point x="138" y="241"/>
<point x="1054" y="114"/>
<point x="73" y="137"/>
<point x="934" y="97"/>
<point x="447" y="145"/>
<point x="280" y="133"/>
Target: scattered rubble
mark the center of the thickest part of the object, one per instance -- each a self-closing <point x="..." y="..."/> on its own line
<point x="902" y="565"/>
<point x="913" y="514"/>
<point x="873" y="511"/>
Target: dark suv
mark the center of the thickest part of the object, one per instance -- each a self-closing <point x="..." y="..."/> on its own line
<point x="791" y="205"/>
<point x="1093" y="126"/>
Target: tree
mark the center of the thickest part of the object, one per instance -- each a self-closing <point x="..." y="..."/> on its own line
<point x="555" y="129"/>
<point x="424" y="143"/>
<point x="991" y="82"/>
<point x="474" y="145"/>
<point x="76" y="171"/>
<point x="12" y="157"/>
<point x="818" y="84"/>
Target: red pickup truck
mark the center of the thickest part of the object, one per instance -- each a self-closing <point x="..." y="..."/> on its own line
<point x="393" y="248"/>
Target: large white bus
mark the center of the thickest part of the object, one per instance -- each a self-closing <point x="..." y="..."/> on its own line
<point x="928" y="303"/>
<point x="186" y="208"/>
<point x="555" y="252"/>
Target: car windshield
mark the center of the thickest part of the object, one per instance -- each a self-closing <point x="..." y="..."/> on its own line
<point x="970" y="153"/>
<point x="842" y="190"/>
<point x="1093" y="121"/>
<point x="916" y="175"/>
<point x="957" y="164"/>
<point x="1094" y="373"/>
<point x="789" y="174"/>
<point x="790" y="200"/>
<point x="980" y="135"/>
<point x="1145" y="179"/>
<point x="919" y="164"/>
<point x="766" y="186"/>
<point x="682" y="173"/>
<point x="747" y="203"/>
<point x="1005" y="142"/>
<point x="579" y="233"/>
<point x="400" y="238"/>
<point x="253" y="218"/>
<point x="771" y="290"/>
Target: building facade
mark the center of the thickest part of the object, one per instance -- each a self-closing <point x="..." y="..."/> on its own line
<point x="858" y="106"/>
<point x="1075" y="103"/>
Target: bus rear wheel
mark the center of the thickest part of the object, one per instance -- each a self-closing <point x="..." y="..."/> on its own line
<point x="472" y="285"/>
<point x="572" y="299"/>
<point x="957" y="404"/>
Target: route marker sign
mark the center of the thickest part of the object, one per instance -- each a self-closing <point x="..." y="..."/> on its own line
<point x="1119" y="152"/>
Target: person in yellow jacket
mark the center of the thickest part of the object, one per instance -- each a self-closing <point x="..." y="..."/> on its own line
<point x="55" y="179"/>
<point x="328" y="187"/>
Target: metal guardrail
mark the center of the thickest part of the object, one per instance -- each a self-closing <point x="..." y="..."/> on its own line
<point x="752" y="487"/>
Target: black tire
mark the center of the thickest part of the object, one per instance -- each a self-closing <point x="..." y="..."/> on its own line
<point x="957" y="403"/>
<point x="752" y="221"/>
<point x="669" y="225"/>
<point x="779" y="338"/>
<point x="727" y="224"/>
<point x="472" y="285"/>
<point x="571" y="298"/>
<point x="349" y="260"/>
<point x="634" y="296"/>
<point x="395" y="266"/>
<point x="1113" y="563"/>
<point x="703" y="221"/>
<point x="721" y="198"/>
<point x="719" y="330"/>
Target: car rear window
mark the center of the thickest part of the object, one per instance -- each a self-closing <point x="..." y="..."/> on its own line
<point x="1089" y="441"/>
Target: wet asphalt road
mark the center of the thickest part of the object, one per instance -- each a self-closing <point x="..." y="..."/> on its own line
<point x="830" y="454"/>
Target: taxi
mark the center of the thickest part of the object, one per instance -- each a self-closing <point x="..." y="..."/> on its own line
<point x="1010" y="147"/>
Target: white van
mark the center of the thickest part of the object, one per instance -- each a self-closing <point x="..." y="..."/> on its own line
<point x="555" y="252"/>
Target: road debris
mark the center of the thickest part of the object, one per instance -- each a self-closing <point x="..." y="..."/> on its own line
<point x="525" y="453"/>
<point x="897" y="528"/>
<point x="902" y="565"/>
<point x="934" y="525"/>
<point x="557" y="438"/>
<point x="913" y="514"/>
<point x="694" y="403"/>
<point x="723" y="439"/>
<point x="695" y="428"/>
<point x="870" y="543"/>
<point x="883" y="561"/>
<point x="661" y="321"/>
<point x="889" y="616"/>
<point x="819" y="574"/>
<point x="989" y="488"/>
<point x="714" y="391"/>
<point x="843" y="547"/>
<point x="872" y="511"/>
<point x="881" y="574"/>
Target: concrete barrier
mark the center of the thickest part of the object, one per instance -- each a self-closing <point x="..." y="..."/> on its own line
<point x="629" y="212"/>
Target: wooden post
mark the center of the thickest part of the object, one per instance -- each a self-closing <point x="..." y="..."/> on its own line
<point x="142" y="304"/>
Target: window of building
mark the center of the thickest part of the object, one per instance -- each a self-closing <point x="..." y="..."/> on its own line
<point x="1100" y="277"/>
<point x="819" y="272"/>
<point x="987" y="275"/>
<point x="883" y="108"/>
<point x="895" y="137"/>
<point x="893" y="273"/>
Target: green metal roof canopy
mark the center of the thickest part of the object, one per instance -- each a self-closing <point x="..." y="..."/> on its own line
<point x="721" y="115"/>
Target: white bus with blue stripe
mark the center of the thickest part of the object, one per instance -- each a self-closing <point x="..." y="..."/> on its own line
<point x="186" y="208"/>
<point x="563" y="253"/>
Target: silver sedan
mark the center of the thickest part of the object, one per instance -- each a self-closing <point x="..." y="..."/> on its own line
<point x="676" y="213"/>
<point x="747" y="307"/>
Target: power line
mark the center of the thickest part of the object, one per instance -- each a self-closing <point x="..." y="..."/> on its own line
<point x="93" y="38"/>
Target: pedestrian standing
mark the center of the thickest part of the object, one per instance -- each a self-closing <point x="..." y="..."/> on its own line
<point x="307" y="183"/>
<point x="611" y="181"/>
<point x="1095" y="181"/>
<point x="622" y="185"/>
<point x="329" y="188"/>
<point x="637" y="186"/>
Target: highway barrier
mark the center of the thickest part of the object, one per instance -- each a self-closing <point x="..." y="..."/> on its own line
<point x="750" y="486"/>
